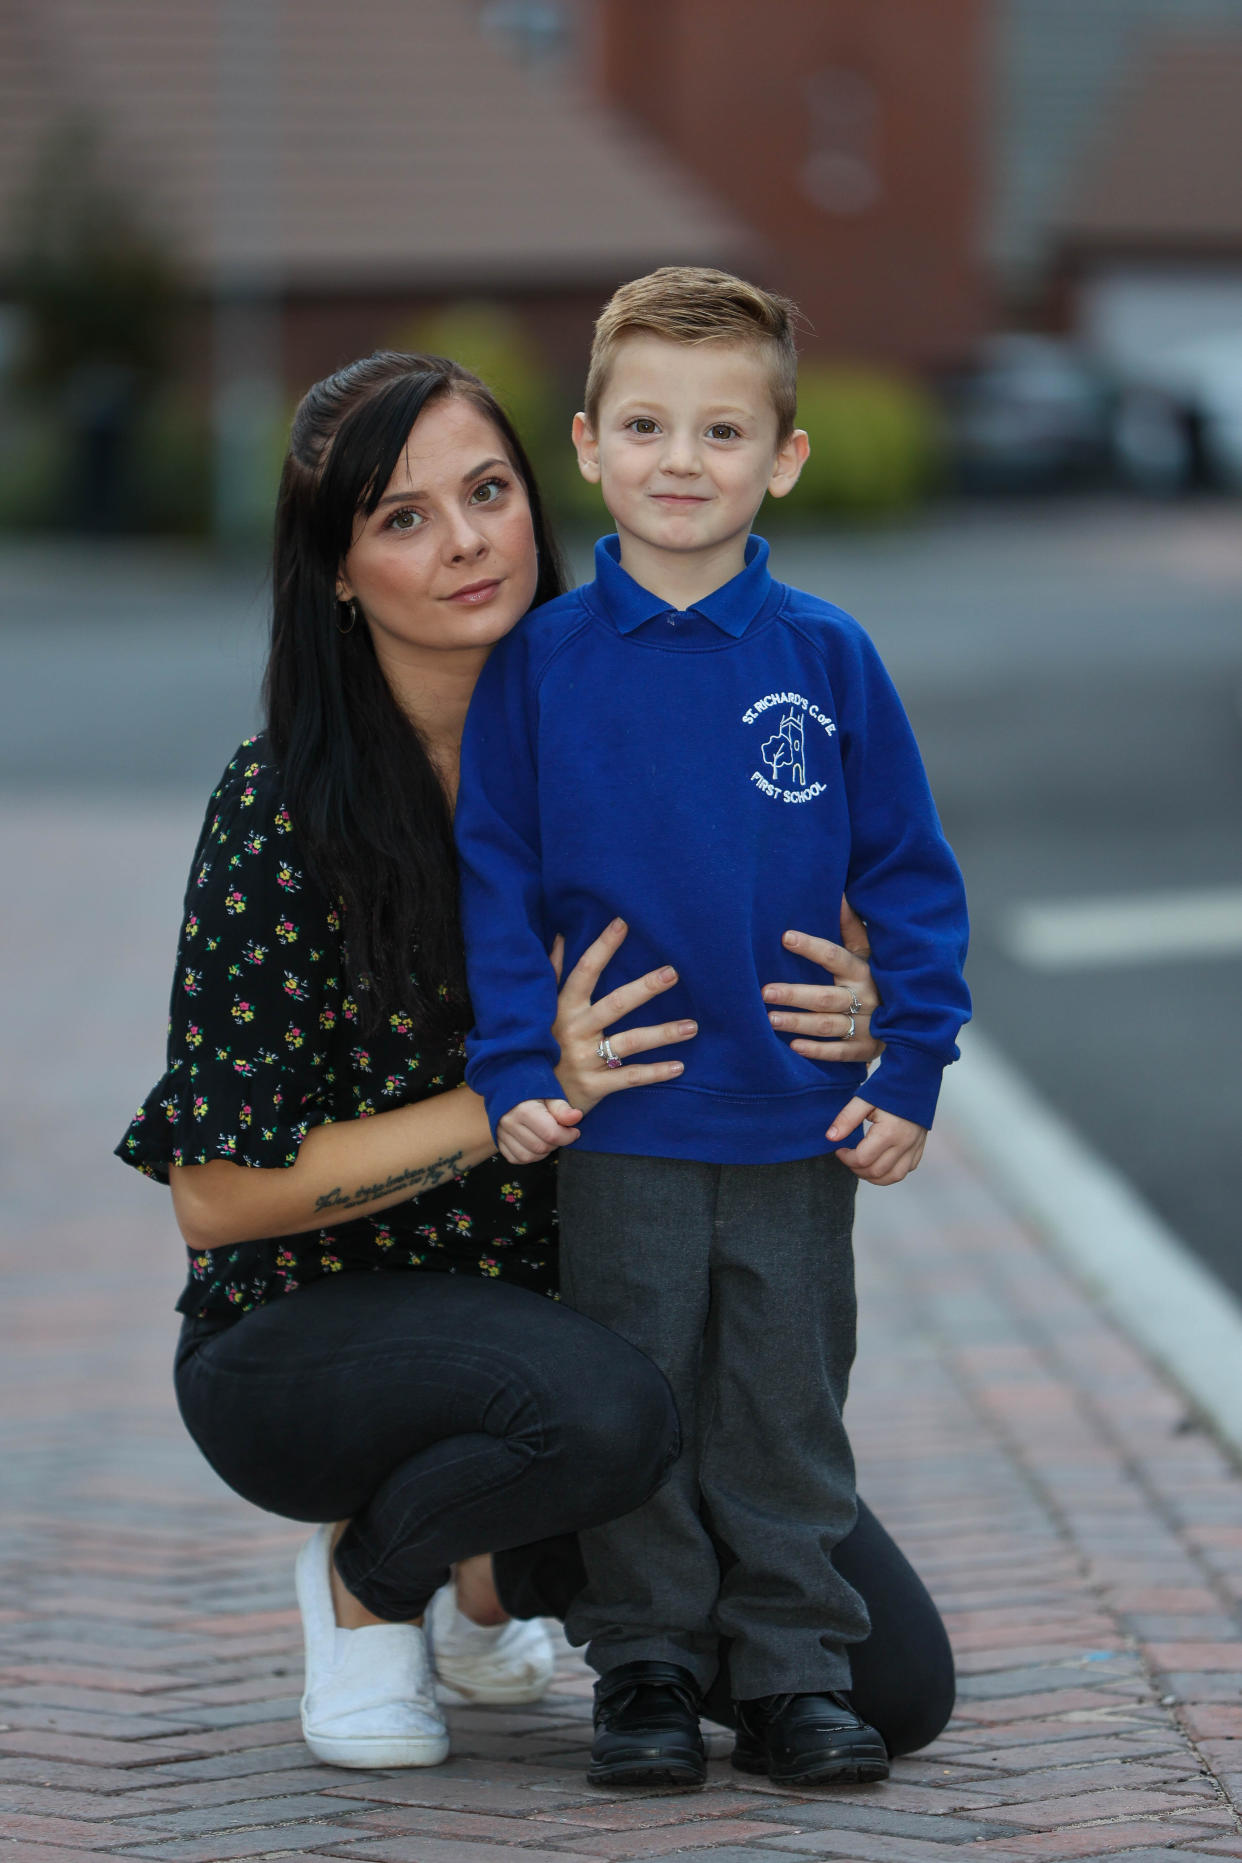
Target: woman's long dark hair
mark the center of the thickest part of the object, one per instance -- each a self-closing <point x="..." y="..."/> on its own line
<point x="367" y="804"/>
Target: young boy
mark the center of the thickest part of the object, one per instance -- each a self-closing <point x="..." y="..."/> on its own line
<point x="716" y="758"/>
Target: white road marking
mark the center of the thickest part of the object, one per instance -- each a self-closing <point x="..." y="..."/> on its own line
<point x="1113" y="1243"/>
<point x="1135" y="928"/>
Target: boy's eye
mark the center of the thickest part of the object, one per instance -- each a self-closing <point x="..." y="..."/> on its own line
<point x="722" y="430"/>
<point x="643" y="424"/>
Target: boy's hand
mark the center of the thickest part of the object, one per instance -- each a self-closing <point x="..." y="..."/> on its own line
<point x="891" y="1149"/>
<point x="532" y="1129"/>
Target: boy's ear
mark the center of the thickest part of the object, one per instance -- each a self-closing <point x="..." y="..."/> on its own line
<point x="791" y="456"/>
<point x="587" y="449"/>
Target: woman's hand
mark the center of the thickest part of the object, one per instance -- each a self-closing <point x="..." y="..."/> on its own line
<point x="580" y="1024"/>
<point x="818" y="1014"/>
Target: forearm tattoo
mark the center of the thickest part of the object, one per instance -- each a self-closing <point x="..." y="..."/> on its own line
<point x="417" y="1179"/>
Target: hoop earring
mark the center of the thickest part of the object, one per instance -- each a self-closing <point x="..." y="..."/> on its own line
<point x="353" y="617"/>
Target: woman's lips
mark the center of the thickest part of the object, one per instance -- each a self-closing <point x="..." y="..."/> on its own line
<point x="475" y="592"/>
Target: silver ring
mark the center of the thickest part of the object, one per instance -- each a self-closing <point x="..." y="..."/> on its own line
<point x="607" y="1054"/>
<point x="855" y="1006"/>
<point x="849" y="1034"/>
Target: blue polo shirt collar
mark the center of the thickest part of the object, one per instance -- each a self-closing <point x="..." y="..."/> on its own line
<point x="731" y="608"/>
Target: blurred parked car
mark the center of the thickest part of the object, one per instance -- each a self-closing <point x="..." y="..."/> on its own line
<point x="1033" y="414"/>
<point x="1179" y="417"/>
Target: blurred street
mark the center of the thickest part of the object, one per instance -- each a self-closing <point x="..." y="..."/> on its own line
<point x="1074" y="674"/>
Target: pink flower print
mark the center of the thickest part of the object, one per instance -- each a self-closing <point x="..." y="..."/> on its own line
<point x="246" y="798"/>
<point x="349" y="1009"/>
<point x="512" y="1193"/>
<point x="330" y="1262"/>
<point x="366" y="1108"/>
<point x="200" y="878"/>
<point x="254" y="953"/>
<point x="392" y="1085"/>
<point x="281" y="821"/>
<point x="288" y="877"/>
<point x="191" y="981"/>
<point x="401" y="1023"/>
<point x="460" y="1223"/>
<point x="171" y="1109"/>
<point x="194" y="1036"/>
<point x="138" y="1119"/>
<point x="255" y="843"/>
<point x="383" y="1236"/>
<point x="327" y="1018"/>
<point x="294" y="987"/>
<point x="234" y="901"/>
<point x="294" y="1036"/>
<point x="286" y="931"/>
<point x="285" y="1258"/>
<point x="428" y="1232"/>
<point x="489" y="1265"/>
<point x="227" y="1146"/>
<point x="242" y="1011"/>
<point x="242" y="1066"/>
<point x="191" y="926"/>
<point x="234" y="1294"/>
<point x="334" y="919"/>
<point x="361" y="1059"/>
<point x="200" y="1106"/>
<point x="245" y="1116"/>
<point x="252" y="769"/>
<point x="201" y="1265"/>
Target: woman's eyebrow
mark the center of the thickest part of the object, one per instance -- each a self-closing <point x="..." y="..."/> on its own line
<point x="405" y="498"/>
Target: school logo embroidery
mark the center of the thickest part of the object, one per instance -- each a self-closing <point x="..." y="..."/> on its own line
<point x="785" y="751"/>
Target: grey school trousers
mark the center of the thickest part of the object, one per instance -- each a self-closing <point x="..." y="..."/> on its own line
<point x="738" y="1280"/>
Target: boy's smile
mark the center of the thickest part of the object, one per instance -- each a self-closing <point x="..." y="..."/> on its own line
<point x="686" y="449"/>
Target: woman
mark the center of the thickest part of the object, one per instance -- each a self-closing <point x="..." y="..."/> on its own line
<point x="318" y="1139"/>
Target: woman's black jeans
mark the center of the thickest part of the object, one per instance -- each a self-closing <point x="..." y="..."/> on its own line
<point x="445" y="1416"/>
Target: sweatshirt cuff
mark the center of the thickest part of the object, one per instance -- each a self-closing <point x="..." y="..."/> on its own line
<point x="503" y="1084"/>
<point x="906" y="1082"/>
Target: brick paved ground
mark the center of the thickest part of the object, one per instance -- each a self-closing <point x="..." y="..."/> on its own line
<point x="1083" y="1540"/>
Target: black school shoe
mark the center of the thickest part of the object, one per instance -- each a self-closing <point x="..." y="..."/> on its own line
<point x="808" y="1740"/>
<point x="647" y="1727"/>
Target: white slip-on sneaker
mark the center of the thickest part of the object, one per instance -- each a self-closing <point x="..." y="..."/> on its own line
<point x="490" y="1663"/>
<point x="369" y="1699"/>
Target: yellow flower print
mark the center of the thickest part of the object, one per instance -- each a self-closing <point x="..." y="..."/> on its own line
<point x="227" y="1145"/>
<point x="327" y="1018"/>
<point x="392" y="1085"/>
<point x="191" y="981"/>
<point x="349" y="1009"/>
<point x="200" y="878"/>
<point x="366" y="1108"/>
<point x="234" y="901"/>
<point x="200" y="1106"/>
<point x="254" y="953"/>
<point x="401" y="1023"/>
<point x="245" y="1116"/>
<point x="171" y="1109"/>
<point x="512" y="1193"/>
<point x="255" y="843"/>
<point x="191" y="926"/>
<point x="194" y="1036"/>
<point x="330" y="1262"/>
<point x="383" y="1236"/>
<point x="288" y="877"/>
<point x="285" y="1258"/>
<point x="246" y="798"/>
<point x="294" y="1036"/>
<point x="294" y="987"/>
<point x="361" y="1060"/>
<point x="489" y="1265"/>
<point x="281" y="821"/>
<point x="242" y="1011"/>
<point x="286" y="931"/>
<point x="460" y="1223"/>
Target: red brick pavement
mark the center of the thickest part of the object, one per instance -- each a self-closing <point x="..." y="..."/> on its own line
<point x="1082" y="1537"/>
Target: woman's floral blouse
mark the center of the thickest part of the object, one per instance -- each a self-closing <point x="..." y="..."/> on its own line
<point x="264" y="1042"/>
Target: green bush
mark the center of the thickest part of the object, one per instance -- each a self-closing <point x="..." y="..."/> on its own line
<point x="875" y="445"/>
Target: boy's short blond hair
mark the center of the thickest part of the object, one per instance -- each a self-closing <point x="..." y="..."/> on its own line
<point x="697" y="304"/>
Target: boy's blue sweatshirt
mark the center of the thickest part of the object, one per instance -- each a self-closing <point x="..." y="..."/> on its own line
<point x="714" y="778"/>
